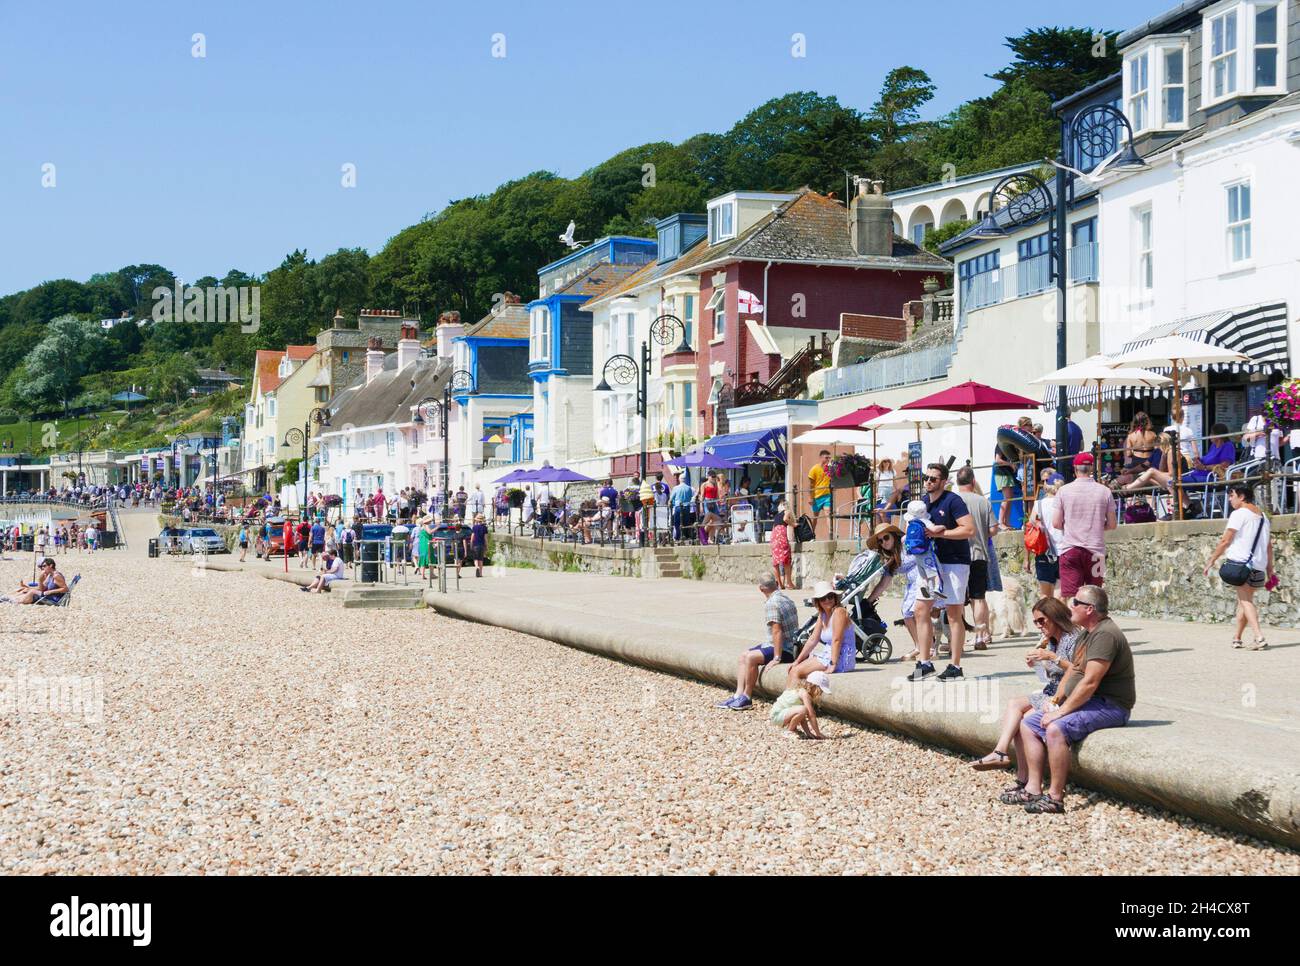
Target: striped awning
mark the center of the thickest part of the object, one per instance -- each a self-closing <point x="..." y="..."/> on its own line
<point x="1260" y="331"/>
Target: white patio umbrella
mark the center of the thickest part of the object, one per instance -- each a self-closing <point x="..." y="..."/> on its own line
<point x="835" y="437"/>
<point x="919" y="418"/>
<point x="1178" y="352"/>
<point x="1097" y="371"/>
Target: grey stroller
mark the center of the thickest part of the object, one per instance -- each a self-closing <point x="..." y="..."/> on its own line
<point x="864" y="574"/>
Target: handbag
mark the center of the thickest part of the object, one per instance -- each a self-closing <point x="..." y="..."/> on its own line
<point x="803" y="530"/>
<point x="1238" y="574"/>
<point x="1139" y="513"/>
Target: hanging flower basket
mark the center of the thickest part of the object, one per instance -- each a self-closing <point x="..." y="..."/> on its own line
<point x="1282" y="406"/>
<point x="852" y="469"/>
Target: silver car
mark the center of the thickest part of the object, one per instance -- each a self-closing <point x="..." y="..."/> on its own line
<point x="203" y="540"/>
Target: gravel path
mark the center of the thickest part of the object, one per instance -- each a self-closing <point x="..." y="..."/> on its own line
<point x="248" y="728"/>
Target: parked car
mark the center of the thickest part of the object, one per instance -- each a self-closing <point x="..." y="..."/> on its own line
<point x="204" y="540"/>
<point x="275" y="542"/>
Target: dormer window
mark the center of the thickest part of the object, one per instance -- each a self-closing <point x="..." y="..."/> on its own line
<point x="1243" y="49"/>
<point x="669" y="243"/>
<point x="722" y="221"/>
<point x="1155" y="85"/>
<point x="286" y="367"/>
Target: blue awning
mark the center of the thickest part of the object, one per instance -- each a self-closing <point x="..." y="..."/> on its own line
<point x="760" y="446"/>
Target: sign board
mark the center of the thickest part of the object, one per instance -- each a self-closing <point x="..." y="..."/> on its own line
<point x="1256" y="393"/>
<point x="914" y="469"/>
<point x="1194" y="411"/>
<point x="1230" y="408"/>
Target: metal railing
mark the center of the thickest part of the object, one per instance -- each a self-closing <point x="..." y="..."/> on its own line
<point x="923" y="365"/>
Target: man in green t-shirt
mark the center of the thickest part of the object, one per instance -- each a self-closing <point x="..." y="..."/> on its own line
<point x="1099" y="691"/>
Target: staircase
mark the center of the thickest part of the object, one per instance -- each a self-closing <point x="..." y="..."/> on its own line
<point x="384" y="597"/>
<point x="667" y="563"/>
<point x="791" y="380"/>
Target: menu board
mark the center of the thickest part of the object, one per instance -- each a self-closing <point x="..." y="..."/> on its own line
<point x="1256" y="393"/>
<point x="1194" y="411"/>
<point x="914" y="469"/>
<point x="1230" y="408"/>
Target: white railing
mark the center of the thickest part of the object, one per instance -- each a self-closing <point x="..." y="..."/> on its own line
<point x="873" y="375"/>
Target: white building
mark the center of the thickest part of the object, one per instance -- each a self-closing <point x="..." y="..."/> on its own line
<point x="373" y="441"/>
<point x="966" y="198"/>
<point x="1203" y="242"/>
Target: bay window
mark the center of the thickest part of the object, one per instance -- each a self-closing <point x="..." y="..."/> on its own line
<point x="1244" y="45"/>
<point x="1139" y="87"/>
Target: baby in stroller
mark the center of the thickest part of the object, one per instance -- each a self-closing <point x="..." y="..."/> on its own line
<point x="855" y="587"/>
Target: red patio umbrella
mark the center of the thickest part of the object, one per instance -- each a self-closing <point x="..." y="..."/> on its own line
<point x="973" y="397"/>
<point x="856" y="420"/>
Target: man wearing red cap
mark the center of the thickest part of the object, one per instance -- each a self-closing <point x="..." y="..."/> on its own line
<point x="1085" y="510"/>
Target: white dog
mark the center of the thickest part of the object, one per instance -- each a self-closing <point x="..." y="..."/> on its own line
<point x="1007" y="609"/>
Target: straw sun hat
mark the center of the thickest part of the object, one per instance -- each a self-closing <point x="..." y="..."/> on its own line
<point x="873" y="541"/>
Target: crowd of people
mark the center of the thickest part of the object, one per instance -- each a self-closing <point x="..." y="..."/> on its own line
<point x="944" y="555"/>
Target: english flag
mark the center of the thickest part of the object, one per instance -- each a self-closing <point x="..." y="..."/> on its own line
<point x="748" y="303"/>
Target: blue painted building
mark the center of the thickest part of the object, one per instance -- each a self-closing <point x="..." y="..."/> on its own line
<point x="560" y="362"/>
<point x="494" y="351"/>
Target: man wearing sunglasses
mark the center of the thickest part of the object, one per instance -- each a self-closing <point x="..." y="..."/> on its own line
<point x="1097" y="692"/>
<point x="952" y="548"/>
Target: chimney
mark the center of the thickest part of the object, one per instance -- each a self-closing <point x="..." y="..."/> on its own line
<point x="338" y="318"/>
<point x="871" y="220"/>
<point x="374" y="357"/>
<point x="408" y="346"/>
<point x="449" y="328"/>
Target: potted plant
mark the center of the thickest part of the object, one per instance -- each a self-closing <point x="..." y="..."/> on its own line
<point x="930" y="284"/>
<point x="515" y="497"/>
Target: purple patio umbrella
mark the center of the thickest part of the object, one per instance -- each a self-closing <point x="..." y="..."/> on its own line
<point x="552" y="474"/>
<point x="702" y="459"/>
<point x="514" y="476"/>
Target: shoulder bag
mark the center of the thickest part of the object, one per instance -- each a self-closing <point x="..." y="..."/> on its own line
<point x="1238" y="574"/>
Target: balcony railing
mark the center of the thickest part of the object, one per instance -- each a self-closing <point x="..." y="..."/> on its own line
<point x="1083" y="263"/>
<point x="873" y="375"/>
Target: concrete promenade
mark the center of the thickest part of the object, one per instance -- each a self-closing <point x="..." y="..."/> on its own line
<point x="1215" y="733"/>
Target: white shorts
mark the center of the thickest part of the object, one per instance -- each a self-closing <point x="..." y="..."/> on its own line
<point x="953" y="579"/>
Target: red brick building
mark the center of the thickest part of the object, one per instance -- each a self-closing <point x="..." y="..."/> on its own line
<point x="776" y="273"/>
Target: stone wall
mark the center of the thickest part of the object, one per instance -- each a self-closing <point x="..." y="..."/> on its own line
<point x="1153" y="570"/>
<point x="1157" y="571"/>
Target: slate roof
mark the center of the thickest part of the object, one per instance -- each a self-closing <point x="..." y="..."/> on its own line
<point x="388" y="397"/>
<point x="810" y="228"/>
<point x="509" y="320"/>
<point x="598" y="280"/>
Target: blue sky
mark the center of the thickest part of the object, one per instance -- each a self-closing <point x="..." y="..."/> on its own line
<point x="234" y="159"/>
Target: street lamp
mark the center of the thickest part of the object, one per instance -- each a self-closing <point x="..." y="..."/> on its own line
<point x="1091" y="135"/>
<point x="295" y="437"/>
<point x="196" y="444"/>
<point x="625" y="371"/>
<point x="461" y="380"/>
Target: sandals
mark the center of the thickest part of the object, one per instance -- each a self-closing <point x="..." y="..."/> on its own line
<point x="1044" y="805"/>
<point x="1015" y="794"/>
<point x="993" y="761"/>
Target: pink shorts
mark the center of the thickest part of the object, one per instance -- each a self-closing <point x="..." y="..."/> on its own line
<point x="1081" y="567"/>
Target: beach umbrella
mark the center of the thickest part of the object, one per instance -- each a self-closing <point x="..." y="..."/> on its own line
<point x="552" y="474"/>
<point x="1097" y="371"/>
<point x="495" y="438"/>
<point x="514" y="476"/>
<point x="855" y="420"/>
<point x="837" y="437"/>
<point x="1178" y="352"/>
<point x="970" y="398"/>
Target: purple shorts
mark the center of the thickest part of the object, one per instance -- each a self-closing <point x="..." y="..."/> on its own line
<point x="1095" y="714"/>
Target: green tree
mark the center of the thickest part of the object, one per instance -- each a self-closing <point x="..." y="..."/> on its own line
<point x="289" y="313"/>
<point x="895" y="122"/>
<point x="171" y="376"/>
<point x="57" y="362"/>
<point x="1060" y="61"/>
<point x="340" y="281"/>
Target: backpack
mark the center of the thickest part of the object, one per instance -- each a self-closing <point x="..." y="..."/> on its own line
<point x="803" y="530"/>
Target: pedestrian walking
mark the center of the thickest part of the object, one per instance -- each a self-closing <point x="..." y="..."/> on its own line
<point x="1084" y="511"/>
<point x="1247" y="549"/>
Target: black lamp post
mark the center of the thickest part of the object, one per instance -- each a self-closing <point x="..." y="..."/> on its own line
<point x="1086" y="139"/>
<point x="625" y="371"/>
<point x="296" y="436"/>
<point x="461" y="380"/>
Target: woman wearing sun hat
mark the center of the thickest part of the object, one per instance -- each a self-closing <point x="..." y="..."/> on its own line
<point x="887" y="540"/>
<point x="831" y="646"/>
